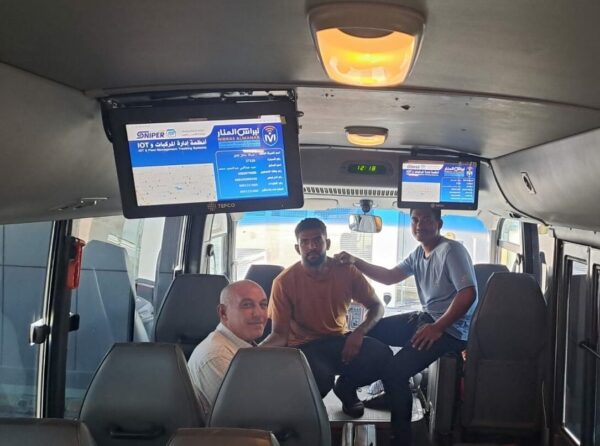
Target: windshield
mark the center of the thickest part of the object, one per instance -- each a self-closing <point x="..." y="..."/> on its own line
<point x="268" y="238"/>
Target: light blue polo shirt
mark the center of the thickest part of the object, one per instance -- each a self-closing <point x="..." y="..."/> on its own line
<point x="446" y="271"/>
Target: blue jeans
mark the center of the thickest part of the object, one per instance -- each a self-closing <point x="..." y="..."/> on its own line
<point x="397" y="331"/>
<point x="325" y="359"/>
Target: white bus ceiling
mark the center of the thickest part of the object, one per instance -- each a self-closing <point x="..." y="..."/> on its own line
<point x="512" y="82"/>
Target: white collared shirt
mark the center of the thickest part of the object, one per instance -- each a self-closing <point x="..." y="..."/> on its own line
<point x="209" y="363"/>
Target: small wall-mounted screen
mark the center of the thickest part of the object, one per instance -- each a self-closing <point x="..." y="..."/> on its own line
<point x="448" y="184"/>
<point x="207" y="158"/>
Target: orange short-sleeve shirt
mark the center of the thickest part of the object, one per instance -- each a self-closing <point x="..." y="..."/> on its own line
<point x="316" y="307"/>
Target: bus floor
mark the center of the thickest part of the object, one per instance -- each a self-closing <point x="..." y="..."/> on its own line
<point x="381" y="419"/>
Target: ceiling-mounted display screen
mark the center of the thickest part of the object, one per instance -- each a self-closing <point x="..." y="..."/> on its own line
<point x="207" y="158"/>
<point x="441" y="183"/>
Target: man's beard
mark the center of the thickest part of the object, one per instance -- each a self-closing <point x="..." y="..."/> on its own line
<point x="315" y="261"/>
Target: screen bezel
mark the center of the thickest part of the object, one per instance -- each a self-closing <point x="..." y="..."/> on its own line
<point x="440" y="205"/>
<point x="208" y="109"/>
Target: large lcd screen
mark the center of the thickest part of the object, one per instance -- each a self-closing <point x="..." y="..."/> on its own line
<point x="218" y="159"/>
<point x="447" y="184"/>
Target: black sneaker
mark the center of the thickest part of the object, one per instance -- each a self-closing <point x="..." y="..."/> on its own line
<point x="351" y="405"/>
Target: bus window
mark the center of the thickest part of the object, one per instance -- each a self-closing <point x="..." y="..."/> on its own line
<point x="573" y="389"/>
<point x="24" y="251"/>
<point x="116" y="299"/>
<point x="268" y="237"/>
<point x="510" y="244"/>
<point x="217" y="261"/>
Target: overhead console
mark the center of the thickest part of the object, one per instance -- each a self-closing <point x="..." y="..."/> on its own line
<point x="206" y="153"/>
<point x="444" y="183"/>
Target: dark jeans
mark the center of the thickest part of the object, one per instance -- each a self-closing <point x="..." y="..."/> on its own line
<point x="397" y="331"/>
<point x="325" y="359"/>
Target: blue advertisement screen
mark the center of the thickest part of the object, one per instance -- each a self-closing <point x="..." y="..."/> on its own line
<point x="207" y="161"/>
<point x="439" y="182"/>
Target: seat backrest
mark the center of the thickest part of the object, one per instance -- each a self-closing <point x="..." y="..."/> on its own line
<point x="140" y="394"/>
<point x="272" y="389"/>
<point x="105" y="303"/>
<point x="44" y="432"/>
<point x="504" y="367"/>
<point x="483" y="272"/>
<point x="223" y="437"/>
<point x="189" y="311"/>
<point x="264" y="275"/>
<point x="109" y="264"/>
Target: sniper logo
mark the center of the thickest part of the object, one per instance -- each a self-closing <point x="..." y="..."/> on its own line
<point x="270" y="135"/>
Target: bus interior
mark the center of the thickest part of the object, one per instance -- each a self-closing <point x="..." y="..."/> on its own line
<point x="511" y="86"/>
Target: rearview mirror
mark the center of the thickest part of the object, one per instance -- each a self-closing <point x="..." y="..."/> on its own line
<point x="365" y="223"/>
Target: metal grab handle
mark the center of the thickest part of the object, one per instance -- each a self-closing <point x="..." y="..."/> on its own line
<point x="119" y="433"/>
<point x="584" y="345"/>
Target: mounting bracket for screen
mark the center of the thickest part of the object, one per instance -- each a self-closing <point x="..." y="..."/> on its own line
<point x="205" y="152"/>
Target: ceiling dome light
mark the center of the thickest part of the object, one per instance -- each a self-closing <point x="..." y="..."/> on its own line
<point x="366" y="136"/>
<point x="366" y="44"/>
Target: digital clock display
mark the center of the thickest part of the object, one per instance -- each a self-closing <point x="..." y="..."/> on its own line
<point x="367" y="169"/>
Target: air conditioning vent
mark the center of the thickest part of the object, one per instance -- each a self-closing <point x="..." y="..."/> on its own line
<point x="384" y="192"/>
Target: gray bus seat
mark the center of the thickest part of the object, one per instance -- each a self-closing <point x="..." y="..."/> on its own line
<point x="264" y="276"/>
<point x="106" y="307"/>
<point x="223" y="437"/>
<point x="189" y="310"/>
<point x="504" y="370"/>
<point x="444" y="374"/>
<point x="483" y="272"/>
<point x="442" y="394"/>
<point x="140" y="394"/>
<point x="44" y="432"/>
<point x="273" y="389"/>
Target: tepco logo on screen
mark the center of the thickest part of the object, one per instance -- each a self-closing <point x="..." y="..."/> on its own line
<point x="270" y="136"/>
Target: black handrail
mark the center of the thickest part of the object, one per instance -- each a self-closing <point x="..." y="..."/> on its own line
<point x="584" y="345"/>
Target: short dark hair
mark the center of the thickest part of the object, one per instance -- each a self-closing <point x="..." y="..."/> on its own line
<point x="310" y="223"/>
<point x="436" y="212"/>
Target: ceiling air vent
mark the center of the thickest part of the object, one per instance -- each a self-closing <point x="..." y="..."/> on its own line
<point x="333" y="191"/>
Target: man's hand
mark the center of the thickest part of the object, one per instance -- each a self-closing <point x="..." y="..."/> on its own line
<point x="425" y="336"/>
<point x="352" y="346"/>
<point x="345" y="258"/>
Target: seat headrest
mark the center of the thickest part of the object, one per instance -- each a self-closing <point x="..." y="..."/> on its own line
<point x="272" y="389"/>
<point x="483" y="272"/>
<point x="141" y="389"/>
<point x="101" y="255"/>
<point x="189" y="311"/>
<point x="264" y="275"/>
<point x="223" y="437"/>
<point x="44" y="431"/>
<point x="513" y="308"/>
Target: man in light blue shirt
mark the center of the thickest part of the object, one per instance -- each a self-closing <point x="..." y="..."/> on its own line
<point x="447" y="290"/>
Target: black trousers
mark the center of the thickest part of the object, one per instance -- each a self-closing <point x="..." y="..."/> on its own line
<point x="325" y="359"/>
<point x="397" y="331"/>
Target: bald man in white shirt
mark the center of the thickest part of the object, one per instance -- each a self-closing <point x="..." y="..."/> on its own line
<point x="243" y="314"/>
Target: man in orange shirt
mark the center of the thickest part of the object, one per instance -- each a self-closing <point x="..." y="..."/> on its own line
<point x="308" y="306"/>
